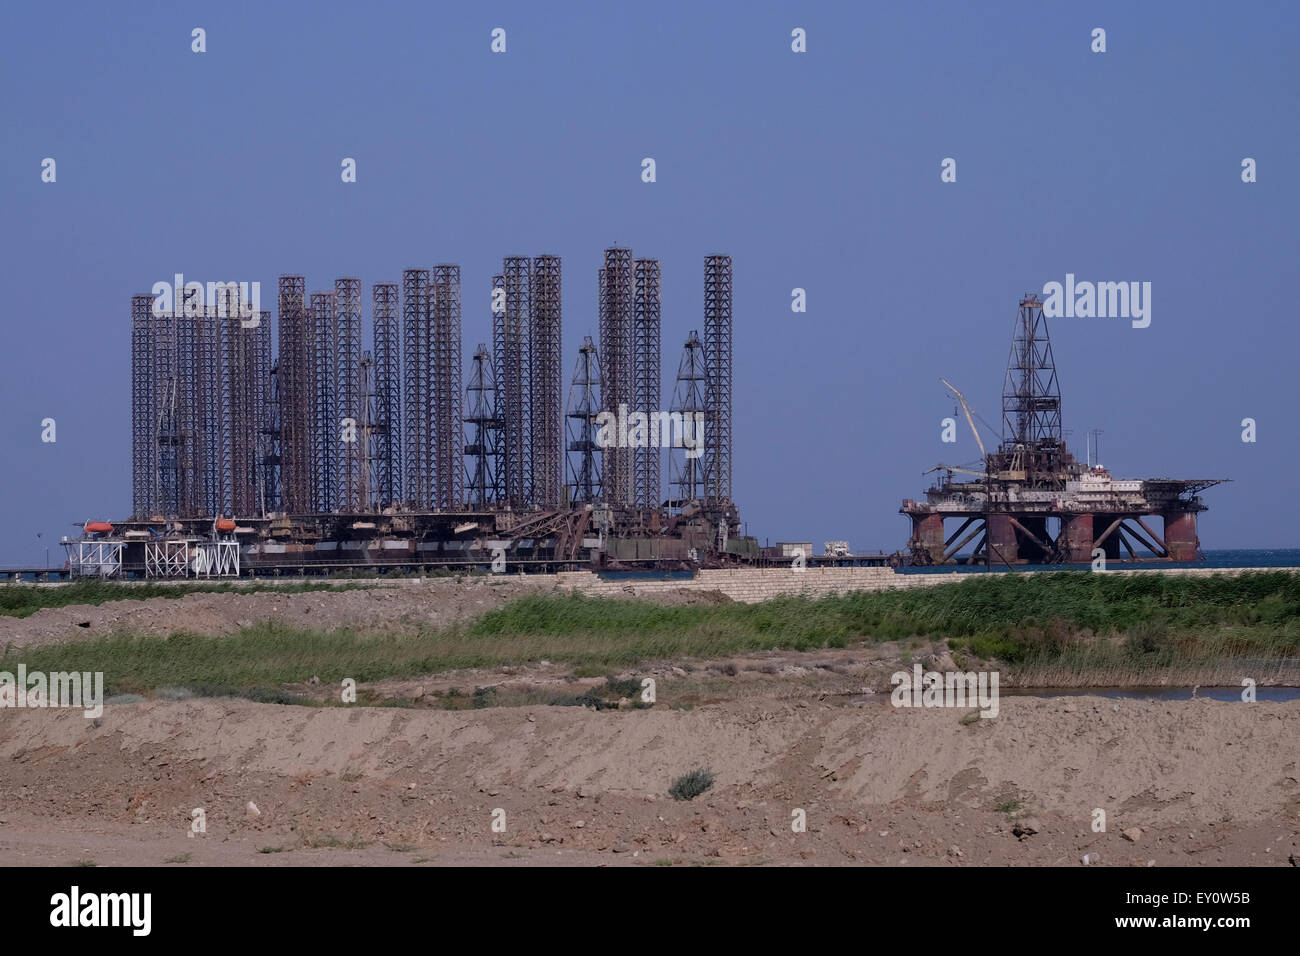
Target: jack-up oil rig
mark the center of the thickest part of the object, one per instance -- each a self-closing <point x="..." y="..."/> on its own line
<point x="329" y="458"/>
<point x="1033" y="503"/>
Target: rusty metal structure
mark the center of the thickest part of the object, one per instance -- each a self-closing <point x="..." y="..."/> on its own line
<point x="510" y="348"/>
<point x="526" y="341"/>
<point x="352" y="449"/>
<point x="546" y="437"/>
<point x="325" y="406"/>
<point x="202" y="384"/>
<point x="245" y="406"/>
<point x="269" y="480"/>
<point x="327" y="455"/>
<point x="616" y="369"/>
<point x="145" y="408"/>
<point x="295" y="380"/>
<point x="387" y="395"/>
<point x="646" y="383"/>
<point x="1031" y="502"/>
<point x="199" y="381"/>
<point x="718" y="359"/>
<point x="447" y="445"/>
<point x="417" y="443"/>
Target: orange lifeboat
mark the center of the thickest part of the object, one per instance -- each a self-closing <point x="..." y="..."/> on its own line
<point x="99" y="527"/>
<point x="225" y="524"/>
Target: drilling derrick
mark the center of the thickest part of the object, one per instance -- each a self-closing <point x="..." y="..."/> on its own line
<point x="545" y="384"/>
<point x="500" y="361"/>
<point x="1033" y="450"/>
<point x="689" y="403"/>
<point x="367" y="434"/>
<point x="646" y="382"/>
<point x="387" y="480"/>
<point x="482" y="455"/>
<point x="583" y="407"/>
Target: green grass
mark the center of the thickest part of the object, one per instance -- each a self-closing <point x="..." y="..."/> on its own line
<point x="1003" y="613"/>
<point x="1040" y="624"/>
<point x="22" y="600"/>
<point x="1048" y="626"/>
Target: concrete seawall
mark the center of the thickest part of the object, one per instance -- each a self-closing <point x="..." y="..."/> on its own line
<point x="753" y="585"/>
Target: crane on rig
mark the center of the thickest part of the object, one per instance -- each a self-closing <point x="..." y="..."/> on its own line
<point x="965" y="471"/>
<point x="969" y="419"/>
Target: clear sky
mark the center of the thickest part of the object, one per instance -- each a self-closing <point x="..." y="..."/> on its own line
<point x="817" y="170"/>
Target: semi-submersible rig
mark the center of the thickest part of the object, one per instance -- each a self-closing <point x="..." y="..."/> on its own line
<point x="1031" y="502"/>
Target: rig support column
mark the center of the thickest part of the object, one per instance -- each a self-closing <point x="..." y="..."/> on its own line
<point x="545" y="382"/>
<point x="1077" y="531"/>
<point x="927" y="536"/>
<point x="616" y="385"/>
<point x="1180" y="535"/>
<point x="1003" y="546"/>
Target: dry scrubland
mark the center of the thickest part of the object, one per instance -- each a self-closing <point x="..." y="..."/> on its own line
<point x="480" y="695"/>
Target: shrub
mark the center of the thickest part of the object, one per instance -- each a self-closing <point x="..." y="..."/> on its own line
<point x="690" y="785"/>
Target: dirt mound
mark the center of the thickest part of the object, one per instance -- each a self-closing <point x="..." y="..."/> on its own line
<point x="409" y="606"/>
<point x="431" y="603"/>
<point x="1203" y="780"/>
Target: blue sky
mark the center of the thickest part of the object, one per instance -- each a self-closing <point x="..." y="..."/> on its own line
<point x="817" y="170"/>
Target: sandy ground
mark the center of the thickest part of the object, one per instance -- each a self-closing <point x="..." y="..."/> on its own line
<point x="1181" y="783"/>
<point x="1188" y="782"/>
